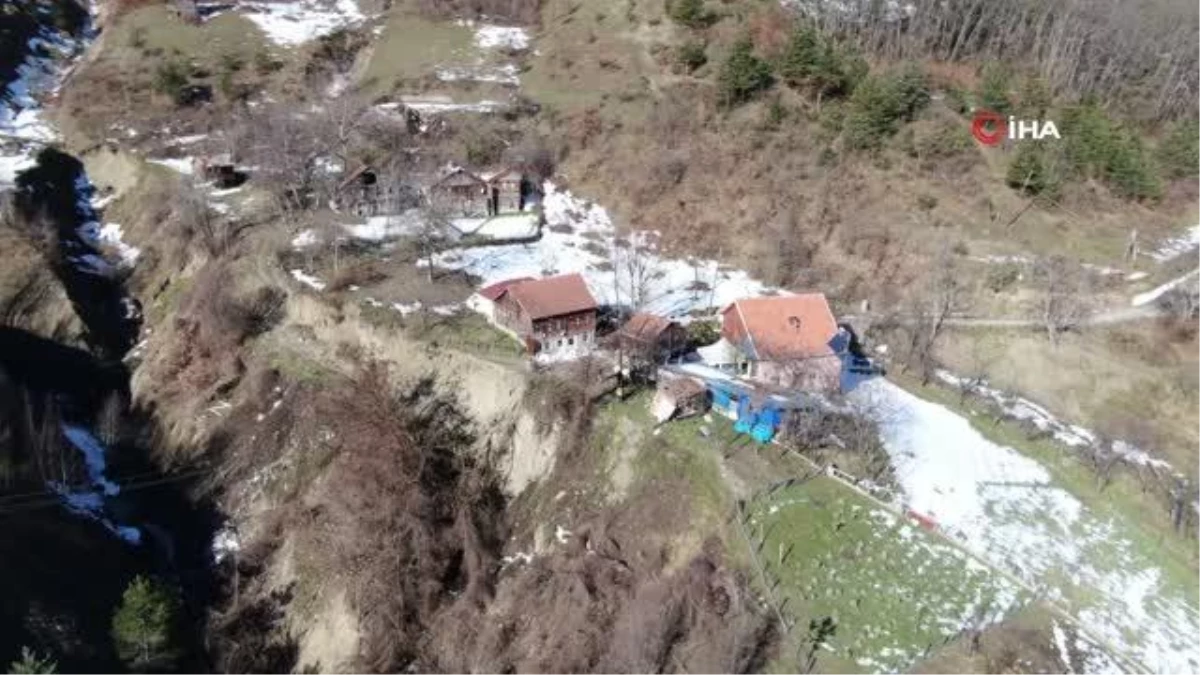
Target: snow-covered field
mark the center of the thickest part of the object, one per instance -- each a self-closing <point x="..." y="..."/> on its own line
<point x="1006" y="508"/>
<point x="672" y="287"/>
<point x="491" y="36"/>
<point x="293" y="23"/>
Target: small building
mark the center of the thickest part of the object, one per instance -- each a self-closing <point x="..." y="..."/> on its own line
<point x="551" y="315"/>
<point x="652" y="338"/>
<point x="786" y="341"/>
<point x="677" y="397"/>
<point x="367" y="192"/>
<point x="219" y="169"/>
<point x="462" y="192"/>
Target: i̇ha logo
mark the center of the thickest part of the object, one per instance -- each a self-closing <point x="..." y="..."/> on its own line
<point x="990" y="128"/>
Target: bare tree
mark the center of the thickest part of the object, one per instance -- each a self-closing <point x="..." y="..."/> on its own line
<point x="190" y="210"/>
<point x="1182" y="303"/>
<point x="1063" y="303"/>
<point x="634" y="269"/>
<point x="434" y="231"/>
<point x="939" y="295"/>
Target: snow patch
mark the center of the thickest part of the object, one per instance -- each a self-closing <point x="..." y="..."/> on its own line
<point x="308" y="279"/>
<point x="579" y="236"/>
<point x="491" y="36"/>
<point x="1156" y="293"/>
<point x="505" y="74"/>
<point x="1176" y="246"/>
<point x="294" y="23"/>
<point x="182" y="165"/>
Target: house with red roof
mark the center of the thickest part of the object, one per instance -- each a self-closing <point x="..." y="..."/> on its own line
<point x="783" y="340"/>
<point x="551" y="314"/>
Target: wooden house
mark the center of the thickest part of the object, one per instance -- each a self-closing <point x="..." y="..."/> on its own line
<point x="552" y="314"/>
<point x="367" y="192"/>
<point x="465" y="193"/>
<point x="652" y="338"/>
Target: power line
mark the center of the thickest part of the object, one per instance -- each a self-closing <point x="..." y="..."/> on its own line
<point x="54" y="499"/>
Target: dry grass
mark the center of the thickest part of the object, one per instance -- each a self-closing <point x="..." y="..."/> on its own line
<point x="1101" y="379"/>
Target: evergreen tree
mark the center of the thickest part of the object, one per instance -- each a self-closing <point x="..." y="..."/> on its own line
<point x="815" y="62"/>
<point x="1129" y="171"/>
<point x="742" y="75"/>
<point x="31" y="663"/>
<point x="1179" y="151"/>
<point x="1030" y="171"/>
<point x="879" y="104"/>
<point x="993" y="90"/>
<point x="1035" y="98"/>
<point x="143" y="625"/>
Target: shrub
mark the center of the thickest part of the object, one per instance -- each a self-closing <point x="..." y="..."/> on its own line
<point x="691" y="55"/>
<point x="703" y="333"/>
<point x="170" y="78"/>
<point x="143" y="627"/>
<point x="879" y="104"/>
<point x="1179" y="151"/>
<point x="1001" y="277"/>
<point x="690" y="13"/>
<point x="743" y="75"/>
<point x="30" y="663"/>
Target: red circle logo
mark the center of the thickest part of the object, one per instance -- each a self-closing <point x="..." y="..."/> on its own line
<point x="989" y="127"/>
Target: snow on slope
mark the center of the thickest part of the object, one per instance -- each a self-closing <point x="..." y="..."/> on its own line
<point x="1156" y="293"/>
<point x="1177" y="246"/>
<point x="20" y="112"/>
<point x="1006" y="508"/>
<point x="579" y="237"/>
<point x="293" y="23"/>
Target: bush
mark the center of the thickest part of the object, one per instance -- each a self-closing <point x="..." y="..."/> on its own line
<point x="1001" y="277"/>
<point x="879" y="104"/>
<point x="30" y="663"/>
<point x="691" y="55"/>
<point x="1179" y="151"/>
<point x="690" y="13"/>
<point x="143" y="627"/>
<point x="170" y="78"/>
<point x="1129" y="171"/>
<point x="743" y="75"/>
<point x="703" y="333"/>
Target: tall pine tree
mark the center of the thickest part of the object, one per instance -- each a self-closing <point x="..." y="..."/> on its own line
<point x="143" y="625"/>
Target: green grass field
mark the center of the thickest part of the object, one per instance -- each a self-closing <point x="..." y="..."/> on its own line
<point x="895" y="592"/>
<point x="411" y="46"/>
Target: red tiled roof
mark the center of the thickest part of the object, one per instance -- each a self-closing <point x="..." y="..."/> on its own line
<point x="645" y="326"/>
<point x="494" y="291"/>
<point x="787" y="326"/>
<point x="553" y="296"/>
